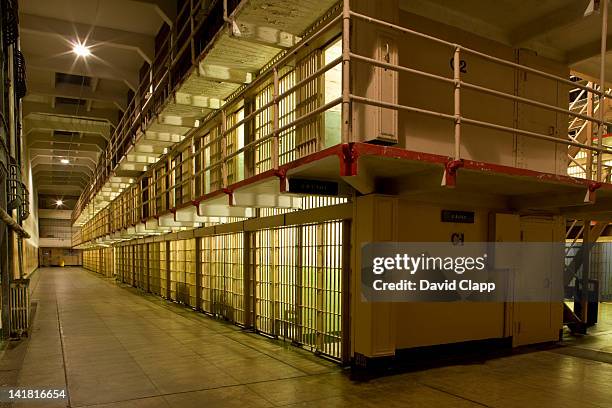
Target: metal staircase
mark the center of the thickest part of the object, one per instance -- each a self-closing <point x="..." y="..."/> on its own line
<point x="584" y="103"/>
<point x="574" y="262"/>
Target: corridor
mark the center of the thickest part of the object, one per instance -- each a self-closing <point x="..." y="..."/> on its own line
<point x="110" y="347"/>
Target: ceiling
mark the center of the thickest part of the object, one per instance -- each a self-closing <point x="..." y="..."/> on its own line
<point x="73" y="103"/>
<point x="556" y="29"/>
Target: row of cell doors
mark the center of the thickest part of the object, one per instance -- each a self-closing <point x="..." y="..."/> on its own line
<point x="285" y="282"/>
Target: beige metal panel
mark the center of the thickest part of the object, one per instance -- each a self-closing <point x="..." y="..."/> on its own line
<point x="536" y="322"/>
<point x="373" y="325"/>
<point x="435" y="135"/>
<point x="372" y="123"/>
<point x="538" y="154"/>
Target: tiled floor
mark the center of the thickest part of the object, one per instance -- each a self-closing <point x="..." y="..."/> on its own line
<point x="112" y="348"/>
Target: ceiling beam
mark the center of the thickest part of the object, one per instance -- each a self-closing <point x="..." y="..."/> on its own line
<point x="55" y="152"/>
<point x="61" y="181"/>
<point x="544" y="24"/>
<point x="61" y="168"/>
<point x="587" y="51"/>
<point x="76" y="163"/>
<point x="80" y="140"/>
<point x="58" y="174"/>
<point x="96" y="36"/>
<point x="59" y="189"/>
<point x="30" y="107"/>
<point x="78" y="92"/>
<point x="65" y="146"/>
<point x="67" y="124"/>
<point x="166" y="9"/>
<point x="66" y="64"/>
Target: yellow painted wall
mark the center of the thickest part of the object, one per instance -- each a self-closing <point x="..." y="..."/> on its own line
<point x="379" y="329"/>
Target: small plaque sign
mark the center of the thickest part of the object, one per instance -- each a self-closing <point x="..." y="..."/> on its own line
<point x="316" y="187"/>
<point x="462" y="217"/>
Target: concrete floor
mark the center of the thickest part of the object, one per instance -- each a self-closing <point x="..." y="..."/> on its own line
<point x="111" y="348"/>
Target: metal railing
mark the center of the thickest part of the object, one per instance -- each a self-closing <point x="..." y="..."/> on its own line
<point x="458" y="84"/>
<point x="277" y="119"/>
<point x="18" y="194"/>
<point x="176" y="56"/>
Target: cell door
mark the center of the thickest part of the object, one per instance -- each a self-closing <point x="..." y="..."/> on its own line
<point x="536" y="322"/>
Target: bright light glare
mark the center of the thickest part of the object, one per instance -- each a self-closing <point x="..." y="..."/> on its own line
<point x="64" y="161"/>
<point x="59" y="203"/>
<point x="81" y="50"/>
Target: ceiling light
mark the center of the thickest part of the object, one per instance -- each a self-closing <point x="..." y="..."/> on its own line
<point x="65" y="161"/>
<point x="81" y="50"/>
<point x="59" y="203"/>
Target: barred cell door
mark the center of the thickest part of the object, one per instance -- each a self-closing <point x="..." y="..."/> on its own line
<point x="309" y="98"/>
<point x="299" y="274"/>
<point x="154" y="282"/>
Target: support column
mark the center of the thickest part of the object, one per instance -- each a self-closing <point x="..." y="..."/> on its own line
<point x="247" y="279"/>
<point x="373" y="325"/>
<point x="198" y="273"/>
<point x="586" y="263"/>
<point x="346" y="291"/>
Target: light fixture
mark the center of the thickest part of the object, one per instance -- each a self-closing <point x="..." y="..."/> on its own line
<point x="59" y="203"/>
<point x="64" y="161"/>
<point x="81" y="50"/>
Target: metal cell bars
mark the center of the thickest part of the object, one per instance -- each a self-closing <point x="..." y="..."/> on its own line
<point x="222" y="290"/>
<point x="286" y="116"/>
<point x="88" y="262"/>
<point x="457" y="84"/>
<point x="190" y="272"/>
<point x="180" y="175"/>
<point x="109" y="261"/>
<point x="308" y="202"/>
<point x="177" y="270"/>
<point x="264" y="121"/>
<point x="140" y="266"/>
<point x="135" y="202"/>
<point x="122" y="264"/>
<point x="146" y="194"/>
<point x="154" y="268"/>
<point x="207" y="163"/>
<point x="129" y="265"/>
<point x="233" y="142"/>
<point x="298" y="285"/>
<point x="162" y="191"/>
<point x="182" y="272"/>
<point x="309" y="98"/>
<point x="263" y="125"/>
<point x="163" y="269"/>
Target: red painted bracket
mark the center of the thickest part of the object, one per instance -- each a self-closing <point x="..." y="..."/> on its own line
<point x="282" y="179"/>
<point x="449" y="179"/>
<point x="591" y="193"/>
<point x="348" y="159"/>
